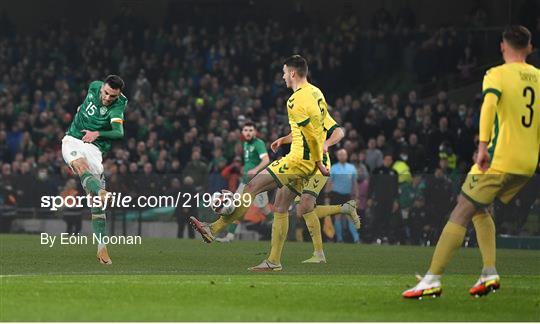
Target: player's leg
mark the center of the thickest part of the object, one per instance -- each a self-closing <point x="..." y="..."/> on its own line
<point x="263" y="203"/>
<point x="348" y="208"/>
<point x="90" y="182"/>
<point x="449" y="242"/>
<point x="229" y="237"/>
<point x="477" y="192"/>
<point x="280" y="228"/>
<point x="263" y="181"/>
<point x="77" y="155"/>
<point x="306" y="208"/>
<point x="85" y="159"/>
<point x="484" y="227"/>
<point x="485" y="234"/>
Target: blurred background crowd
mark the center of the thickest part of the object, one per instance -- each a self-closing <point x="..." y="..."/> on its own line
<point x="192" y="83"/>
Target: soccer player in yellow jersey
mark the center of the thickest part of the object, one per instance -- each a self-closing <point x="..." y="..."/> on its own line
<point x="307" y="193"/>
<point x="307" y="110"/>
<point x="507" y="158"/>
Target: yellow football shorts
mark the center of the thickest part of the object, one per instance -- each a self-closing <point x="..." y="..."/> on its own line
<point x="292" y="172"/>
<point x="481" y="188"/>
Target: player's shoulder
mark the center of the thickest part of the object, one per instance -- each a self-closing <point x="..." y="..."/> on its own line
<point x="313" y="92"/>
<point x="308" y="94"/>
<point x="121" y="102"/>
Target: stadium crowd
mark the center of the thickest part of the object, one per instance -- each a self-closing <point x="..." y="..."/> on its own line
<point x="191" y="87"/>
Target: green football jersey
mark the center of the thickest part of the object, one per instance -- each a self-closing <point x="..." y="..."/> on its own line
<point x="253" y="151"/>
<point x="93" y="116"/>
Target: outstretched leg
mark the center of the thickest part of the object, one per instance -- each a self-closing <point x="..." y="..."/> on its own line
<point x="450" y="241"/>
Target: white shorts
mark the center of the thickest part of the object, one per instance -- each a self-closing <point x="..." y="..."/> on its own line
<point x="261" y="200"/>
<point x="73" y="149"/>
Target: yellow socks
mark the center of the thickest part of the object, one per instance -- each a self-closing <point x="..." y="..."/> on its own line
<point x="239" y="212"/>
<point x="327" y="210"/>
<point x="450" y="240"/>
<point x="485" y="235"/>
<point x="220" y="224"/>
<point x="280" y="228"/>
<point x="314" y="228"/>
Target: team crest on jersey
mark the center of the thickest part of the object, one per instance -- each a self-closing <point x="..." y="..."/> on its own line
<point x="73" y="153"/>
<point x="103" y="110"/>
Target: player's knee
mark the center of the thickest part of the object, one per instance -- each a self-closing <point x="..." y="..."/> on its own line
<point x="463" y="212"/>
<point x="282" y="209"/>
<point x="251" y="187"/>
<point x="305" y="207"/>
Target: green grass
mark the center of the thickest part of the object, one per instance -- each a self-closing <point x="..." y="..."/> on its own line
<point x="182" y="280"/>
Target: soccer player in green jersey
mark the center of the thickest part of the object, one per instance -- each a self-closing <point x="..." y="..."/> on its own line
<point x="255" y="159"/>
<point x="96" y="124"/>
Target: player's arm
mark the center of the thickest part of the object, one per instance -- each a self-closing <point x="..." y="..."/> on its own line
<point x="492" y="92"/>
<point x="116" y="132"/>
<point x="336" y="136"/>
<point x="264" y="162"/>
<point x="117" y="127"/>
<point x="313" y="130"/>
<point x="314" y="135"/>
<point x="263" y="155"/>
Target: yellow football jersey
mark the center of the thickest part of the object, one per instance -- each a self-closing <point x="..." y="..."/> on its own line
<point x="307" y="111"/>
<point x="514" y="140"/>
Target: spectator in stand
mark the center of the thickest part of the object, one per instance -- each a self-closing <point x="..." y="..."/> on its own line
<point x="343" y="187"/>
<point x="374" y="156"/>
<point x="439" y="199"/>
<point x="383" y="199"/>
<point x="183" y="212"/>
<point x="72" y="216"/>
<point x="197" y="170"/>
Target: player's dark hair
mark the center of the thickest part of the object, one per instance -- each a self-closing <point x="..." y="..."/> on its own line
<point x="115" y="82"/>
<point x="298" y="63"/>
<point x="518" y="37"/>
<point x="249" y="124"/>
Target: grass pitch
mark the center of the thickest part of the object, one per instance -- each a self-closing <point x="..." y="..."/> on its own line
<point x="187" y="280"/>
